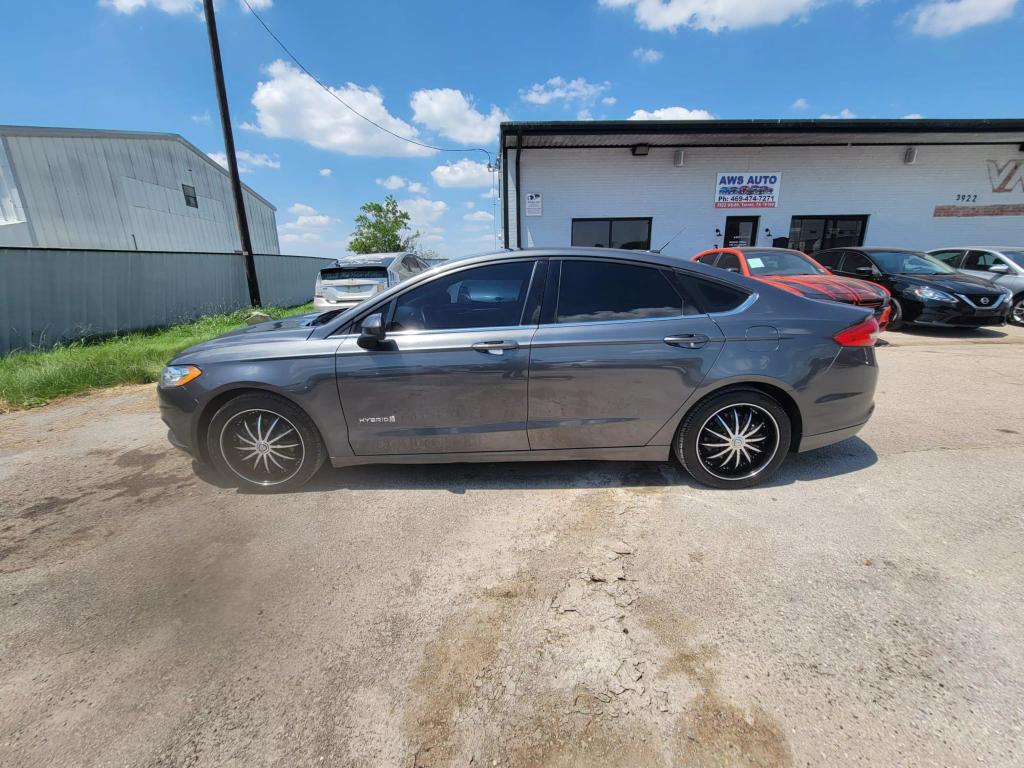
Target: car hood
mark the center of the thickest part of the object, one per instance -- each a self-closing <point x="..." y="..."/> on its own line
<point x="958" y="283"/>
<point x="829" y="287"/>
<point x="285" y="329"/>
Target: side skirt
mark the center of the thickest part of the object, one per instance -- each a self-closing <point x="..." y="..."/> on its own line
<point x="641" y="453"/>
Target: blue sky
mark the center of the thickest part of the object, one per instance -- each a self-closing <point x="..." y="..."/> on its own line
<point x="448" y="73"/>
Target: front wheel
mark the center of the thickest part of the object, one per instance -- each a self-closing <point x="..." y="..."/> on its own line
<point x="895" y="316"/>
<point x="262" y="442"/>
<point x="734" y="440"/>
<point x="1017" y="310"/>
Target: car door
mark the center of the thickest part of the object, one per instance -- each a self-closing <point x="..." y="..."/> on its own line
<point x="451" y="372"/>
<point x="618" y="351"/>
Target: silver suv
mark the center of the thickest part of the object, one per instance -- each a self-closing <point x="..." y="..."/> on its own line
<point x="1003" y="266"/>
<point x="354" y="279"/>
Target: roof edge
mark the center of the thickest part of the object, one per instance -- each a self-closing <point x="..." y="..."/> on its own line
<point x="819" y="125"/>
<point x="34" y="130"/>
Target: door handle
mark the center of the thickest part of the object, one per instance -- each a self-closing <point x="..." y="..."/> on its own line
<point x="687" y="340"/>
<point x="495" y="347"/>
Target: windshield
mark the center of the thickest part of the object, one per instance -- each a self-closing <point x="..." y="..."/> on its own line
<point x="1017" y="257"/>
<point x="909" y="263"/>
<point x="781" y="263"/>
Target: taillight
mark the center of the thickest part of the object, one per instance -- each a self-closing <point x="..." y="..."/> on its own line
<point x="863" y="334"/>
<point x="318" y="289"/>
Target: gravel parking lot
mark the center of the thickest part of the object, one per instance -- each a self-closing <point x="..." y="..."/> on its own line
<point x="862" y="609"/>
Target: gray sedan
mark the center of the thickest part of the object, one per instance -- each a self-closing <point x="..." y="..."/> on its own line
<point x="530" y="355"/>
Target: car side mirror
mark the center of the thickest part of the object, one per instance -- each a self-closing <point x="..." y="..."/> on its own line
<point x="1002" y="269"/>
<point x="372" y="331"/>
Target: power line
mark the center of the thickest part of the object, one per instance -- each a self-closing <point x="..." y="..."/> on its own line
<point x="352" y="109"/>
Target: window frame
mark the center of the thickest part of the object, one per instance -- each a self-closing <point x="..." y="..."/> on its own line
<point x="611" y="220"/>
<point x="864" y="219"/>
<point x="553" y="286"/>
<point x="193" y="196"/>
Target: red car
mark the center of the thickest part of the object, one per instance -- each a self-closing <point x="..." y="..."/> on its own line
<point x="800" y="274"/>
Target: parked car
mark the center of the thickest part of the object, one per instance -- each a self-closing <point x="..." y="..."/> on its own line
<point x="628" y="355"/>
<point x="798" y="273"/>
<point x="357" y="278"/>
<point x="1002" y="266"/>
<point x="924" y="290"/>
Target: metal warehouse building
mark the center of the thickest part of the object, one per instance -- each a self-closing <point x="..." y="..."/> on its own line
<point x="120" y="190"/>
<point x="806" y="184"/>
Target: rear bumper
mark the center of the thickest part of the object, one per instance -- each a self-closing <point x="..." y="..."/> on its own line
<point x="812" y="442"/>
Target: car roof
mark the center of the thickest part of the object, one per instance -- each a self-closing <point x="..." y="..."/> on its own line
<point x="996" y="248"/>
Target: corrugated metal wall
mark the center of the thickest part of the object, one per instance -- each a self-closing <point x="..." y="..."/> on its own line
<point x="52" y="295"/>
<point x="97" y="191"/>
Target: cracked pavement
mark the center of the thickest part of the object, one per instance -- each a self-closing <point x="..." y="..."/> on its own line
<point x="861" y="609"/>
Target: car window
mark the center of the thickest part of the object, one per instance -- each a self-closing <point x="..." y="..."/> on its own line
<point x="948" y="257"/>
<point x="729" y="261"/>
<point x="909" y="263"/>
<point x="980" y="260"/>
<point x="484" y="297"/>
<point x="780" y="263"/>
<point x="829" y="259"/>
<point x="591" y="291"/>
<point x="708" y="258"/>
<point x="708" y="295"/>
<point x="854" y="261"/>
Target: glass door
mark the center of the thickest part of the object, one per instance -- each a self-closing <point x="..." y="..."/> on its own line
<point x="740" y="231"/>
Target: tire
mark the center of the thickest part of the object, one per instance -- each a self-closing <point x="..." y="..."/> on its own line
<point x="705" y="463"/>
<point x="895" y="316"/>
<point x="1017" y="310"/>
<point x="264" y="443"/>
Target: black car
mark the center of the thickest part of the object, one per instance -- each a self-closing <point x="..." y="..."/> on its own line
<point x="924" y="290"/>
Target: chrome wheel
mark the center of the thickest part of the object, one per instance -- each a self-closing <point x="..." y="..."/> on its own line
<point x="1017" y="313"/>
<point x="738" y="441"/>
<point x="261" y="447"/>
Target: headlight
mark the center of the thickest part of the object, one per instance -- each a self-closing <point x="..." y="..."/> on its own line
<point x="178" y="375"/>
<point x="928" y="293"/>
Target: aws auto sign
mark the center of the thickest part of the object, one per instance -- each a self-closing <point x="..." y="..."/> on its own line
<point x="747" y="190"/>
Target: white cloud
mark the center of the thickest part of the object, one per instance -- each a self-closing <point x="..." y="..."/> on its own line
<point x="453" y="115"/>
<point x="490" y="194"/>
<point x="290" y="105"/>
<point x="203" y="118"/>
<point x="647" y="55"/>
<point x="417" y="188"/>
<point x="326" y="171"/>
<point x="247" y="160"/>
<point x="391" y="182"/>
<point x="258" y="5"/>
<point x="423" y="212"/>
<point x="608" y="100"/>
<point x="478" y="216"/>
<point x="559" y="89"/>
<point x="672" y="113"/>
<point x="948" y="17"/>
<point x="713" y="15"/>
<point x="800" y="104"/>
<point x="464" y="173"/>
<point x="301" y="209"/>
<point x="913" y="116"/>
<point x="584" y="114"/>
<point x="845" y="114"/>
<point x="305" y="223"/>
<point x="167" y="6"/>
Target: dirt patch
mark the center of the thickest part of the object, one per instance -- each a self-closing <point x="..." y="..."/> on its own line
<point x="140" y="458"/>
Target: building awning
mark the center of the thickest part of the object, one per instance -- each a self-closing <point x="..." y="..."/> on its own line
<point x="758" y="133"/>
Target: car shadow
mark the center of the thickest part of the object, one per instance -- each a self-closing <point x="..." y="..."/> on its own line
<point x="843" y="458"/>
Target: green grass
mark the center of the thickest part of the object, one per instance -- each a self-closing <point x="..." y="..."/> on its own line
<point x="35" y="377"/>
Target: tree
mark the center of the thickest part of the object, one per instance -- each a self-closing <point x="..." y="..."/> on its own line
<point x="382" y="228"/>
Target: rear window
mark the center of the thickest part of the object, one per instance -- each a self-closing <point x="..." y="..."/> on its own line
<point x="596" y="291"/>
<point x="353" y="273"/>
<point x="710" y="295"/>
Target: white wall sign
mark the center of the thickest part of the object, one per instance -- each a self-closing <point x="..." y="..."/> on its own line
<point x="534" y="204"/>
<point x="747" y="190"/>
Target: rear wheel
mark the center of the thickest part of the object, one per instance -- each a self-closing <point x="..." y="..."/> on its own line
<point x="734" y="440"/>
<point x="262" y="442"/>
<point x="1017" y="310"/>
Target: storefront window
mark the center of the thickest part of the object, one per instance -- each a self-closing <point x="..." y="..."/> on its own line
<point x="633" y="233"/>
<point x="817" y="233"/>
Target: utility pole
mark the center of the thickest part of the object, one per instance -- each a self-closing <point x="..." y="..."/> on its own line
<point x="229" y="150"/>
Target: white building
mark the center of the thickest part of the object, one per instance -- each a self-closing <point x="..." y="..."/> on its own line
<point x="807" y="184"/>
<point x="120" y="190"/>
